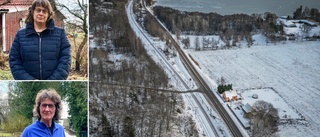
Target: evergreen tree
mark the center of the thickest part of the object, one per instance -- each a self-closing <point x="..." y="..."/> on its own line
<point x="107" y="130"/>
<point x="298" y="13"/>
<point x="76" y="96"/>
<point x="128" y="127"/>
<point x="223" y="88"/>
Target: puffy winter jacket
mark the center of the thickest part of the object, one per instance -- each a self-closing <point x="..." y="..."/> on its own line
<point x="44" y="56"/>
<point x="39" y="129"/>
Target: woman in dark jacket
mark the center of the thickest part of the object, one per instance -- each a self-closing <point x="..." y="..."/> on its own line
<point x="41" y="50"/>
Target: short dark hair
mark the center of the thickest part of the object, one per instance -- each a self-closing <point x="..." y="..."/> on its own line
<point x="48" y="94"/>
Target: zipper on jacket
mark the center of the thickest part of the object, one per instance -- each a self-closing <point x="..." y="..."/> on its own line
<point x="40" y="45"/>
<point x="49" y="132"/>
<point x="53" y="130"/>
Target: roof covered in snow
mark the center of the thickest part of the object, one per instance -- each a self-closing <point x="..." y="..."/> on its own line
<point x="246" y="108"/>
<point x="230" y="93"/>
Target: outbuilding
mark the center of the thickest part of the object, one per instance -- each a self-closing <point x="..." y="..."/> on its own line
<point x="289" y="24"/>
<point x="255" y="96"/>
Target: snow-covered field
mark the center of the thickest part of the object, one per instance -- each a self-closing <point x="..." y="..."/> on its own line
<point x="271" y="96"/>
<point x="292" y="69"/>
<point x="286" y="112"/>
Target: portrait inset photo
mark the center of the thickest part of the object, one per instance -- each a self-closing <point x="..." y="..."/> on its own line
<point x="43" y="40"/>
<point x="32" y="109"/>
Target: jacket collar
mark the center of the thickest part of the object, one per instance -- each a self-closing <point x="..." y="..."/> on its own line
<point x="30" y="27"/>
<point x="44" y="126"/>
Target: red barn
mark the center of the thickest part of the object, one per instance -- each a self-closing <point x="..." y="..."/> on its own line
<point x="12" y="17"/>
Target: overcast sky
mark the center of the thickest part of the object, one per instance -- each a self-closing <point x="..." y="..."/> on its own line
<point x="3" y="88"/>
<point x="72" y="4"/>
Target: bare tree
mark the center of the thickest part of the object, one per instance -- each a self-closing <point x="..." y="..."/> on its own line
<point x="197" y="44"/>
<point x="214" y="43"/>
<point x="264" y="119"/>
<point x="306" y="30"/>
<point x="205" y="43"/>
<point x="178" y="34"/>
<point x="249" y="39"/>
<point x="3" y="110"/>
<point x="79" y="11"/>
<point x="186" y="42"/>
<point x="222" y="81"/>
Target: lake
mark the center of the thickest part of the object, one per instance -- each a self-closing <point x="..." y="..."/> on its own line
<point x="225" y="7"/>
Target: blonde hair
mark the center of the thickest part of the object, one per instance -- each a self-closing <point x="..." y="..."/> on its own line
<point x="48" y="94"/>
<point x="36" y="3"/>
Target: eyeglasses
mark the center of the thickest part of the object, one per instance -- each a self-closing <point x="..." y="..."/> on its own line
<point x="50" y="106"/>
<point x="38" y="10"/>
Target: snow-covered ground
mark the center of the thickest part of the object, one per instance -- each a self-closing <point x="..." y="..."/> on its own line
<point x="175" y="76"/>
<point x="298" y="27"/>
<point x="291" y="68"/>
<point x="181" y="80"/>
<point x="286" y="112"/>
<point x="271" y="96"/>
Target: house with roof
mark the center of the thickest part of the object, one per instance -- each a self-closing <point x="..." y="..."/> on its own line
<point x="308" y="23"/>
<point x="230" y="95"/>
<point x="289" y="24"/>
<point x="12" y="16"/>
<point x="246" y="108"/>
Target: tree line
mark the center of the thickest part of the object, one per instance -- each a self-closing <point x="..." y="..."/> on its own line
<point x="203" y="23"/>
<point x="306" y="13"/>
<point x="230" y="28"/>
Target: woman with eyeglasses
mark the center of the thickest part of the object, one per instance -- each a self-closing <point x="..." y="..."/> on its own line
<point x="47" y="108"/>
<point x="40" y="51"/>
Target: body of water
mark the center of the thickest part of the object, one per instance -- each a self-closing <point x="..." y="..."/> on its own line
<point x="225" y="7"/>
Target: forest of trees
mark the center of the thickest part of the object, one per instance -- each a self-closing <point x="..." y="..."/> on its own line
<point x="230" y="28"/>
<point x="77" y="25"/>
<point x="236" y="26"/>
<point x="306" y="13"/>
<point x="124" y="96"/>
<point x="125" y="111"/>
<point x="124" y="100"/>
<point x="203" y="23"/>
